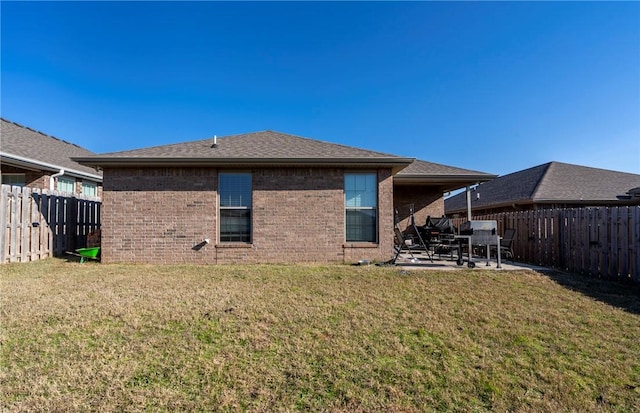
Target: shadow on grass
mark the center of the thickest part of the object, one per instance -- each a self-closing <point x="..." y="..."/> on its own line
<point x="621" y="295"/>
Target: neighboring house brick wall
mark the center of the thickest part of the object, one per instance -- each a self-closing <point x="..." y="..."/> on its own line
<point x="33" y="179"/>
<point x="42" y="179"/>
<point x="426" y="200"/>
<point x="159" y="215"/>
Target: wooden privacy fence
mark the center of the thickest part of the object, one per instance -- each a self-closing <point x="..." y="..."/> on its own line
<point x="602" y="242"/>
<point x="36" y="224"/>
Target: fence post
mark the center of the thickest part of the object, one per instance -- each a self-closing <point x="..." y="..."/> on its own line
<point x="4" y="210"/>
<point x="623" y="242"/>
<point x="634" y="245"/>
<point x="13" y="219"/>
<point x="25" y="232"/>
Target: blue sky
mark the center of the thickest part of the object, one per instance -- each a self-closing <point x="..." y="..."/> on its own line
<point x="489" y="86"/>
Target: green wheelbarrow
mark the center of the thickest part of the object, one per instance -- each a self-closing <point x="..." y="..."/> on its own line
<point x="87" y="253"/>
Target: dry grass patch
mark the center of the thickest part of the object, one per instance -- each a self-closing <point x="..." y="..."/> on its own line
<point x="321" y="338"/>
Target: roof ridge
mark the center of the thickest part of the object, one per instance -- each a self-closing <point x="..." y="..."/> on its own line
<point x="536" y="188"/>
<point x="275" y="134"/>
<point x="182" y="142"/>
<point x="41" y="133"/>
<point x="331" y="143"/>
<point x="591" y="167"/>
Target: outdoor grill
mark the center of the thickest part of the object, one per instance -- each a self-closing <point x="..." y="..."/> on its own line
<point x="480" y="232"/>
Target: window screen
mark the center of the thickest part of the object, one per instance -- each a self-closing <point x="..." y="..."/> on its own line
<point x="13" y="179"/>
<point x="89" y="188"/>
<point x="67" y="185"/>
<point x="361" y="204"/>
<point x="234" y="191"/>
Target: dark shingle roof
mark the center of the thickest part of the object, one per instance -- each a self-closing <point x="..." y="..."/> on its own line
<point x="553" y="182"/>
<point x="19" y="143"/>
<point x="419" y="168"/>
<point x="423" y="172"/>
<point x="565" y="181"/>
<point x="250" y="148"/>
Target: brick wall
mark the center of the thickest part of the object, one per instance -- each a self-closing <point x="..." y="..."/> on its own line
<point x="160" y="215"/>
<point x="298" y="215"/>
<point x="384" y="252"/>
<point x="427" y="201"/>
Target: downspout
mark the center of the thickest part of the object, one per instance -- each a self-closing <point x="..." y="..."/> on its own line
<point x="52" y="178"/>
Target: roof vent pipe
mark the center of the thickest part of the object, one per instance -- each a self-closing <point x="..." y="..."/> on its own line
<point x="215" y="141"/>
<point x="53" y="177"/>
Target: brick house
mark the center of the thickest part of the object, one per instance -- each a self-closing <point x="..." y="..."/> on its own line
<point x="550" y="185"/>
<point x="36" y="160"/>
<point x="263" y="197"/>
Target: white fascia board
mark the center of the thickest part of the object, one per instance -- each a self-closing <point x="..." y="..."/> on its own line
<point x="32" y="163"/>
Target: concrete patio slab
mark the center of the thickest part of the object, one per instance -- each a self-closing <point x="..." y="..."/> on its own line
<point x="445" y="263"/>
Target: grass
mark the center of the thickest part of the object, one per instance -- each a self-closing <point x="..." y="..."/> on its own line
<point x="97" y="337"/>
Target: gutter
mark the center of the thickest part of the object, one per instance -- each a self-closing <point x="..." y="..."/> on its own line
<point x="43" y="165"/>
<point x="463" y="179"/>
<point x="397" y="163"/>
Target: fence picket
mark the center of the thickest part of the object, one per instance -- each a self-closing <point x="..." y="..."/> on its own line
<point x="634" y="245"/>
<point x="4" y="211"/>
<point x="13" y="220"/>
<point x="613" y="244"/>
<point x="24" y="224"/>
<point x="34" y="250"/>
<point x="623" y="243"/>
<point x="46" y="236"/>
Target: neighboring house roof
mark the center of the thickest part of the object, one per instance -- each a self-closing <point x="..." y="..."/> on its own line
<point x="249" y="149"/>
<point x="423" y="172"/>
<point x="30" y="149"/>
<point x="549" y="183"/>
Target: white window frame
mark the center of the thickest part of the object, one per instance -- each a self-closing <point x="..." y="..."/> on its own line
<point x="247" y="207"/>
<point x="23" y="181"/>
<point x="356" y="204"/>
<point x="90" y="184"/>
<point x="67" y="180"/>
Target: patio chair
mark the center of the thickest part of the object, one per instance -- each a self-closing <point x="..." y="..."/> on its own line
<point x="404" y="242"/>
<point x="506" y="243"/>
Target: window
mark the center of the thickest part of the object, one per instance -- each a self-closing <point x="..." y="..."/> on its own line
<point x="89" y="188"/>
<point x="13" y="179"/>
<point x="66" y="184"/>
<point x="361" y="202"/>
<point x="234" y="190"/>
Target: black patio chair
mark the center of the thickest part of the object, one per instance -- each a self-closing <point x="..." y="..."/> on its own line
<point x="506" y="244"/>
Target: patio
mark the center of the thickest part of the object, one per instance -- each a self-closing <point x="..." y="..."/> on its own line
<point x="420" y="261"/>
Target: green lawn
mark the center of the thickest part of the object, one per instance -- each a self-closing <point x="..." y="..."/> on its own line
<point x="92" y="337"/>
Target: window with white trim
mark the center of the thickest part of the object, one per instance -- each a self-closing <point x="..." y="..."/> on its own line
<point x="89" y="188"/>
<point x="66" y="184"/>
<point x="234" y="191"/>
<point x="361" y="207"/>
<point x="13" y="179"/>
